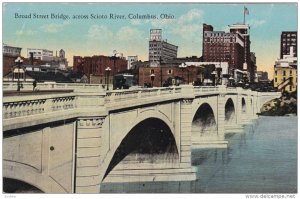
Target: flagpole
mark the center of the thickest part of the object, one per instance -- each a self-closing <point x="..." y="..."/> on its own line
<point x="244" y="15"/>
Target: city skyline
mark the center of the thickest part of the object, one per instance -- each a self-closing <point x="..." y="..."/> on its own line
<point x="99" y="36"/>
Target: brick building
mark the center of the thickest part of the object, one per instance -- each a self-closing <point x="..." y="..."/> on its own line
<point x="95" y="66"/>
<point x="232" y="47"/>
<point x="288" y="39"/>
<point x="167" y="73"/>
<point x="10" y="54"/>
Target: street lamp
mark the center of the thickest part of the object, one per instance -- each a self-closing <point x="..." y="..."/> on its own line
<point x="107" y="71"/>
<point x="152" y="76"/>
<point x="214" y="73"/>
<point x="19" y="62"/>
<point x="114" y="57"/>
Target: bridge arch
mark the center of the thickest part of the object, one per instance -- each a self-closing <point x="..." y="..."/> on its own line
<point x="204" y="120"/>
<point x="16" y="186"/>
<point x="151" y="139"/>
<point x="229" y="111"/>
<point x="28" y="175"/>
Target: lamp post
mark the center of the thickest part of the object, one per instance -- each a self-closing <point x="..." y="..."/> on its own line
<point x="214" y="73"/>
<point x="114" y="57"/>
<point x="18" y="62"/>
<point x="152" y="76"/>
<point x="107" y="71"/>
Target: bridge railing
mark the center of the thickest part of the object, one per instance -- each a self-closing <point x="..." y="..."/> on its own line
<point x="10" y="86"/>
<point x="33" y="105"/>
<point x="121" y="95"/>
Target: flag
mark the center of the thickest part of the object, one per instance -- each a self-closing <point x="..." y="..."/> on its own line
<point x="246" y="11"/>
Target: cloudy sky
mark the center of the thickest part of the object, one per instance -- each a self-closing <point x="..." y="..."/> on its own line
<point x="87" y="37"/>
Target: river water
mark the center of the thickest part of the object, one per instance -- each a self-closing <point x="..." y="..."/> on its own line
<point x="262" y="159"/>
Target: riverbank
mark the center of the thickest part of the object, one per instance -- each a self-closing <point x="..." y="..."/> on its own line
<point x="285" y="105"/>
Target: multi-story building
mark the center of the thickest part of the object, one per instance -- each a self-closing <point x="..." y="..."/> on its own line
<point x="252" y="67"/>
<point x="232" y="47"/>
<point x="41" y="54"/>
<point x="262" y="76"/>
<point x="130" y="60"/>
<point x="288" y="39"/>
<point x="244" y="31"/>
<point x="285" y="73"/>
<point x="94" y="67"/>
<point x="10" y="54"/>
<point x="11" y="51"/>
<point x="160" y="51"/>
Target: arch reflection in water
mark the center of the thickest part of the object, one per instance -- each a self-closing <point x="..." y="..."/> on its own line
<point x="150" y="141"/>
<point x="204" y="120"/>
<point x="229" y="111"/>
<point x="243" y="105"/>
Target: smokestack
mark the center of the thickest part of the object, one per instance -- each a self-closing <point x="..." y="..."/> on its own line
<point x="31" y="58"/>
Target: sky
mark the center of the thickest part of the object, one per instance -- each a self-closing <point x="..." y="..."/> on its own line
<point x="90" y="36"/>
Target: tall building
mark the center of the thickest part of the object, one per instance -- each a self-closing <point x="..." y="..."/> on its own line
<point x="41" y="54"/>
<point x="219" y="46"/>
<point x="160" y="51"/>
<point x="288" y="39"/>
<point x="232" y="47"/>
<point x="244" y="31"/>
<point x="252" y="67"/>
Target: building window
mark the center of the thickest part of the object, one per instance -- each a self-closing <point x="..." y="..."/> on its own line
<point x="275" y="72"/>
<point x="151" y="71"/>
<point x="290" y="87"/>
<point x="169" y="71"/>
<point x="284" y="73"/>
<point x="275" y="79"/>
<point x="291" y="72"/>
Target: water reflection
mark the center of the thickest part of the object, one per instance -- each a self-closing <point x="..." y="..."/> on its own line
<point x="262" y="159"/>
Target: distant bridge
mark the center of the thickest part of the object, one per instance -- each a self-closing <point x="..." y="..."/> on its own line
<point x="71" y="142"/>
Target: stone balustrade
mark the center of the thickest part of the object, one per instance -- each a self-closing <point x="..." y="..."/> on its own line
<point x="124" y="95"/>
<point x="27" y="86"/>
<point x="22" y="106"/>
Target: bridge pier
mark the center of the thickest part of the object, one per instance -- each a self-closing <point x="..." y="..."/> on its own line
<point x="89" y="141"/>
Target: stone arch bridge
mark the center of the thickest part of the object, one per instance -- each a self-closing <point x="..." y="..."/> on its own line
<point x="71" y="142"/>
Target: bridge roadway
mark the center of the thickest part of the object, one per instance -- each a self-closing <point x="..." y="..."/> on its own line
<point x="72" y="142"/>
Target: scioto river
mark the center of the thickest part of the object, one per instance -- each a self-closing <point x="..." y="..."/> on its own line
<point x="262" y="159"/>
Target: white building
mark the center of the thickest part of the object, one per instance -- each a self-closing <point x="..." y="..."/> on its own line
<point x="160" y="51"/>
<point x="11" y="51"/>
<point x="130" y="60"/>
<point x="41" y="54"/>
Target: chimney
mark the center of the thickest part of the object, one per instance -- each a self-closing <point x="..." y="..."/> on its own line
<point x="31" y="58"/>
